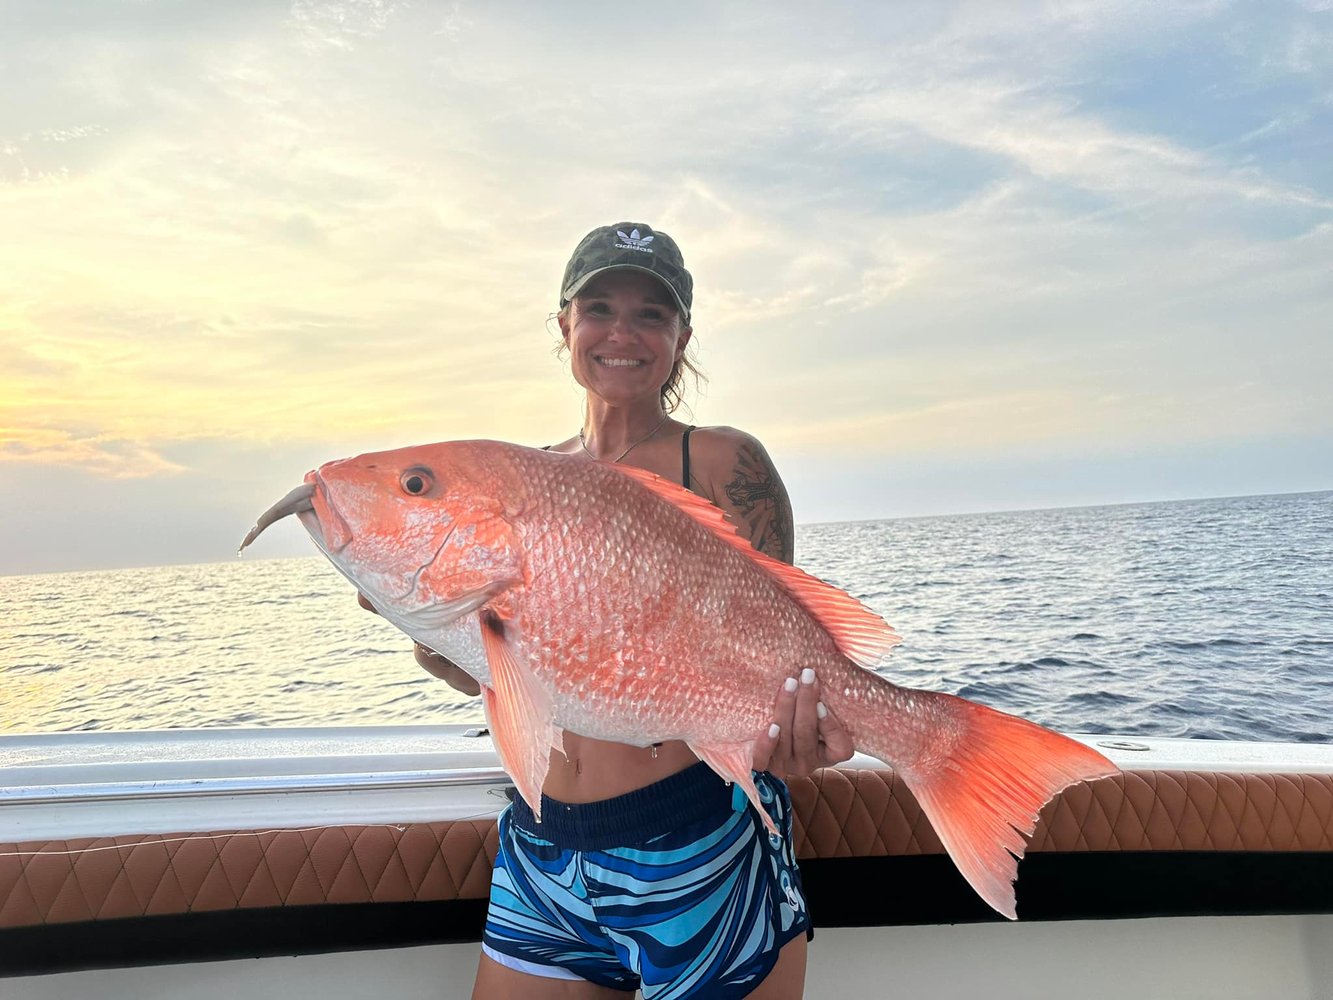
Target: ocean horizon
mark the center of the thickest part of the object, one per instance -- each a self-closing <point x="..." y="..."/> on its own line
<point x="1208" y="618"/>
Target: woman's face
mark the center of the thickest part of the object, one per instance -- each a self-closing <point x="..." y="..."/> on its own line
<point x="624" y="336"/>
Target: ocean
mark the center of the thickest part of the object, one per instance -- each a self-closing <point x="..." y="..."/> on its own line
<point x="1210" y="619"/>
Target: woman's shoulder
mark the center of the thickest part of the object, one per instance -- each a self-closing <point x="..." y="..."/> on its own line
<point x="722" y="441"/>
<point x="724" y="451"/>
<point x="735" y="472"/>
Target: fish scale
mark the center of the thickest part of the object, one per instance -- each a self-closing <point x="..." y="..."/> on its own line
<point x="634" y="619"/>
<point x="606" y="601"/>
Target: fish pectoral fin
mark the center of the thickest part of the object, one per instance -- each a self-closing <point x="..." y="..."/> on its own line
<point x="732" y="762"/>
<point x="432" y="617"/>
<point x="519" y="713"/>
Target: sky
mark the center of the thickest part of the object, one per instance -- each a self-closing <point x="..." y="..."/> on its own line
<point x="948" y="257"/>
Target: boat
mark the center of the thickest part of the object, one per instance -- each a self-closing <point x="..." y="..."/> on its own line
<point x="353" y="863"/>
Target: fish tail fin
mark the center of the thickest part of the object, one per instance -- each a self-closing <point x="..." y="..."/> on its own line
<point x="982" y="785"/>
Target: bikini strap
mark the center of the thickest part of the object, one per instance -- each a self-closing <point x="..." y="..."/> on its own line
<point x="685" y="457"/>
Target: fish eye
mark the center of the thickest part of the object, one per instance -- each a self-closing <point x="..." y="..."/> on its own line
<point x="416" y="482"/>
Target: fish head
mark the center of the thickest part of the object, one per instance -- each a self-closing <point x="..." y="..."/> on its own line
<point x="420" y="531"/>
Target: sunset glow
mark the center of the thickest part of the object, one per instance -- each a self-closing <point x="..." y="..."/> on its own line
<point x="938" y="251"/>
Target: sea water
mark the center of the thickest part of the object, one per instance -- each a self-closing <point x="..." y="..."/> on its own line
<point x="1202" y="618"/>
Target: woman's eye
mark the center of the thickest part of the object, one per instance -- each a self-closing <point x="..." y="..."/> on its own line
<point x="652" y="315"/>
<point x="415" y="482"/>
<point x="599" y="309"/>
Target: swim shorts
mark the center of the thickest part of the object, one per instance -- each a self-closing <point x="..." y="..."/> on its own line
<point x="597" y="892"/>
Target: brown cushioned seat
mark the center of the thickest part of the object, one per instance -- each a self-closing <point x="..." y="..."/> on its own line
<point x="839" y="813"/>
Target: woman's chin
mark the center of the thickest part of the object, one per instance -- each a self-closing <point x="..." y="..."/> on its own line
<point x="614" y="387"/>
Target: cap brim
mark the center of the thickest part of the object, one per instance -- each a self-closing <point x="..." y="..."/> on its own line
<point x="574" y="289"/>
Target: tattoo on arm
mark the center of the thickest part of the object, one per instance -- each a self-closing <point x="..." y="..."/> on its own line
<point x="760" y="500"/>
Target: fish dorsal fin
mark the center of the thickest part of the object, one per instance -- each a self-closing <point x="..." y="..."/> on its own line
<point x="861" y="635"/>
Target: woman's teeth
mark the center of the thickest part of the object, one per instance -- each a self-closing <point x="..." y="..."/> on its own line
<point x="619" y="362"/>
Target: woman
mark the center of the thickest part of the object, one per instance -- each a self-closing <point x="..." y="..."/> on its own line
<point x="582" y="908"/>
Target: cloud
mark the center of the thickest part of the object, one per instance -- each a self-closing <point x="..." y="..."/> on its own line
<point x="342" y="23"/>
<point x="101" y="456"/>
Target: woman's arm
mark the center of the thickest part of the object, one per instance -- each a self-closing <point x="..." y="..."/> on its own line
<point x="446" y="670"/>
<point x="735" y="472"/>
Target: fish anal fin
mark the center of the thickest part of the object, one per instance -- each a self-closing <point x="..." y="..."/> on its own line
<point x="732" y="762"/>
<point x="519" y="713"/>
<point x="861" y="635"/>
<point x="984" y="793"/>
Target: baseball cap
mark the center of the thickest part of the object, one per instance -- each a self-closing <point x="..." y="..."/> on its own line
<point x="633" y="246"/>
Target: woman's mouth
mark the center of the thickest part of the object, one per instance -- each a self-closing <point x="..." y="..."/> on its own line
<point x="619" y="362"/>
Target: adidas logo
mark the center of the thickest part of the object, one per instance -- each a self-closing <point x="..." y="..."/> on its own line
<point x="633" y="241"/>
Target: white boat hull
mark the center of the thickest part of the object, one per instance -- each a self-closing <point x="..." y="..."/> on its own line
<point x="1169" y="958"/>
<point x="1233" y="840"/>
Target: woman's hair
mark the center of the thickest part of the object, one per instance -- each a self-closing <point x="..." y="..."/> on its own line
<point x="672" y="391"/>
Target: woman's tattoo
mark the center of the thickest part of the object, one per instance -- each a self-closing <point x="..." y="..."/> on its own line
<point x="758" y="496"/>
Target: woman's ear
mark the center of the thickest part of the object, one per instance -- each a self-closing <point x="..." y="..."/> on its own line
<point x="684" y="342"/>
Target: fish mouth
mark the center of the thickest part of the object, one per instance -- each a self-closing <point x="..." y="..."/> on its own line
<point x="297" y="501"/>
<point x="314" y="508"/>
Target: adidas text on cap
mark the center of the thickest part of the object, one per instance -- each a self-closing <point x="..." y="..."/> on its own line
<point x="633" y="246"/>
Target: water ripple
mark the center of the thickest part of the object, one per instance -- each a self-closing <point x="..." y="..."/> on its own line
<point x="1207" y="619"/>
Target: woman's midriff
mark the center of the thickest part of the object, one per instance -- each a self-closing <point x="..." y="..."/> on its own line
<point x="596" y="769"/>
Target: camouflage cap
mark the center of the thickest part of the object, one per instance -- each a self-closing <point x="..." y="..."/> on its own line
<point x="633" y="246"/>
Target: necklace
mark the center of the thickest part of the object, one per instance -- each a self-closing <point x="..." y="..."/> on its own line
<point x="658" y="427"/>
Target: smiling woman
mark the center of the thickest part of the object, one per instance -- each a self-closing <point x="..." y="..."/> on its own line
<point x="625" y="321"/>
<point x="663" y="284"/>
<point x="607" y="798"/>
<point x="622" y="334"/>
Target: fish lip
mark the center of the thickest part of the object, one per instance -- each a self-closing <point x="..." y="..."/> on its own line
<point x="297" y="501"/>
<point x="326" y="525"/>
<point x="310" y="521"/>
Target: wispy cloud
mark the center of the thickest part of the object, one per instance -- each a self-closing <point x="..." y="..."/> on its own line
<point x="100" y="455"/>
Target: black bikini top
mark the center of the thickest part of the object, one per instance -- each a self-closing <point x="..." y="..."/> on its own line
<point x="684" y="457"/>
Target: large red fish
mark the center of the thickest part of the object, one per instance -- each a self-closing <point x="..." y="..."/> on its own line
<point x="605" y="600"/>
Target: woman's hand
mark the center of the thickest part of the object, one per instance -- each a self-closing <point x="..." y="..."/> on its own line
<point x="805" y="735"/>
<point x="433" y="663"/>
<point x="446" y="670"/>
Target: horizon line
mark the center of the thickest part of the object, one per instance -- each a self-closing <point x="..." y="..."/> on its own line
<point x="807" y="524"/>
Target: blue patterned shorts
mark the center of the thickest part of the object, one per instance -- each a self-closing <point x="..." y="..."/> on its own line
<point x="596" y="892"/>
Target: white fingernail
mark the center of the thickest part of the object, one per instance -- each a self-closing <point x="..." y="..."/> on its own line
<point x="790" y="685"/>
<point x="807" y="676"/>
<point x="773" y="731"/>
<point x="820" y="710"/>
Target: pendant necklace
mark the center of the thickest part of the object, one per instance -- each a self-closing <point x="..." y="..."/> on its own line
<point x="584" y="443"/>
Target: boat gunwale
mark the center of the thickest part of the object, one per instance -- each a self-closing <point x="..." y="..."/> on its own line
<point x="262" y="785"/>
